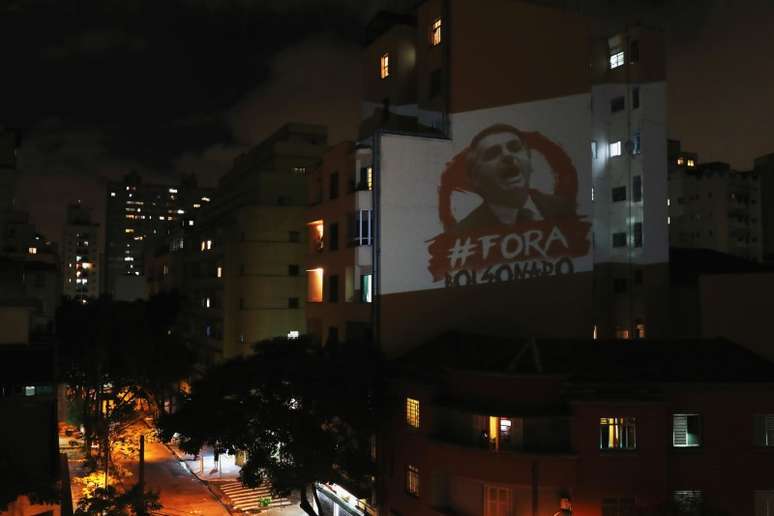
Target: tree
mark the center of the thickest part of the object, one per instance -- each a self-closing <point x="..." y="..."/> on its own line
<point x="303" y="414"/>
<point x="113" y="354"/>
<point x="110" y="502"/>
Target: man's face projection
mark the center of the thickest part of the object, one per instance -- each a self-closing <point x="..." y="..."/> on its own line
<point x="502" y="169"/>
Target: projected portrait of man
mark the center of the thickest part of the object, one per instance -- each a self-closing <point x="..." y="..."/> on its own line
<point x="499" y="165"/>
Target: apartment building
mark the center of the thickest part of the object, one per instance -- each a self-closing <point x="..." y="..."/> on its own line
<point x="240" y="265"/>
<point x="490" y="427"/>
<point x="511" y="198"/>
<point x="764" y="167"/>
<point x="712" y="206"/>
<point x="81" y="251"/>
<point x="139" y="215"/>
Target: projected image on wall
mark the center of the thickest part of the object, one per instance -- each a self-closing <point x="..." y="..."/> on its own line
<point x="508" y="207"/>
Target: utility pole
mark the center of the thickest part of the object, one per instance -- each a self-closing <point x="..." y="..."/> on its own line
<point x="141" y="481"/>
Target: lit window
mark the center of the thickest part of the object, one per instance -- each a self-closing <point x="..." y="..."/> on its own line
<point x="616" y="59"/>
<point x="315" y="285"/>
<point x="209" y="244"/>
<point x="32" y="250"/>
<point x="112" y="194"/>
<point x="207" y="302"/>
<point x="686" y="430"/>
<point x="618" y="433"/>
<point x="294" y="334"/>
<point x="669" y="201"/>
<point x="435" y="32"/>
<point x="412" y="412"/>
<point x="763" y="430"/>
<point x="173" y="190"/>
<point x="206" y="199"/>
<point x="316" y="234"/>
<point x="197" y="205"/>
<point x="366" y="288"/>
<point x="204" y="245"/>
<point x="190" y="222"/>
<point x="180" y="212"/>
<point x="615" y="149"/>
<point x="384" y="69"/>
<point x="29" y="390"/>
<point x="128" y="259"/>
<point x="691" y="163"/>
<point x="412" y="480"/>
<point x="669" y="220"/>
<point x="594" y="333"/>
<point x="370" y="178"/>
<point x="622" y="333"/>
<point x="639" y="330"/>
<point x="220" y="271"/>
<point x="680" y="161"/>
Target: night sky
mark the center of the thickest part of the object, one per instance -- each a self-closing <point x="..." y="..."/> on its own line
<point x="101" y="87"/>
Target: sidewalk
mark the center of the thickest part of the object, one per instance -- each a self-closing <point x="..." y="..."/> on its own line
<point x="205" y="467"/>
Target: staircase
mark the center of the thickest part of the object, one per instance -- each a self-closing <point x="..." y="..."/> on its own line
<point x="247" y="499"/>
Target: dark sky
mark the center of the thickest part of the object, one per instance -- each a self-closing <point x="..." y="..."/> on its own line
<point x="102" y="87"/>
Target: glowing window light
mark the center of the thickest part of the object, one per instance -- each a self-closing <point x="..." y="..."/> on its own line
<point x="616" y="59"/>
<point x="220" y="271"/>
<point x="315" y="285"/>
<point x="112" y="194"/>
<point x="173" y="190"/>
<point x="32" y="250"/>
<point x="384" y="66"/>
<point x="412" y="412"/>
<point x="435" y="32"/>
<point x="615" y="149"/>
<point x="294" y="334"/>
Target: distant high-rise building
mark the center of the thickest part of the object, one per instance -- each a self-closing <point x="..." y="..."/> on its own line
<point x="80" y="254"/>
<point x="138" y="215"/>
<point x="712" y="206"/>
<point x="764" y="168"/>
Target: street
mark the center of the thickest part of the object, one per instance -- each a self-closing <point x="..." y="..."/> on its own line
<point x="180" y="491"/>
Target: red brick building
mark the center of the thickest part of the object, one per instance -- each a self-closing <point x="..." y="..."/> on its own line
<point x="480" y="426"/>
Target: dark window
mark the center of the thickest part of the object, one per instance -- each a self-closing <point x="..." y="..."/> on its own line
<point x="638" y="234"/>
<point x="636" y="149"/>
<point x="619" y="193"/>
<point x="435" y="83"/>
<point x="294" y="236"/>
<point x="292" y="302"/>
<point x="619" y="239"/>
<point x="333" y="288"/>
<point x="617" y="104"/>
<point x="638" y="277"/>
<point x="618" y="507"/>
<point x="333" y="238"/>
<point x="688" y="502"/>
<point x="637" y="188"/>
<point x="635" y="98"/>
<point x="293" y="270"/>
<point x="333" y="187"/>
<point x="619" y="285"/>
<point x="634" y="51"/>
<point x="763" y="430"/>
<point x="333" y="335"/>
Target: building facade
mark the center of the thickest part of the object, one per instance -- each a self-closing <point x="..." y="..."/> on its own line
<point x="81" y="251"/>
<point x="240" y="266"/>
<point x="499" y="196"/>
<point x="138" y="216"/>
<point x="497" y="428"/>
<point x="714" y="207"/>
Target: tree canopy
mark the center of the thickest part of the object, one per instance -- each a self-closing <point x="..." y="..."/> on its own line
<point x="303" y="414"/>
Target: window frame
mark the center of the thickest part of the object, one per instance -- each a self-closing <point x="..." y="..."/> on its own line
<point x="412" y="480"/>
<point x="436" y="32"/>
<point x="384" y="65"/>
<point x="617" y="58"/>
<point x="699" y="434"/>
<point x="413" y="412"/>
<point x="623" y="425"/>
<point x="766" y="439"/>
